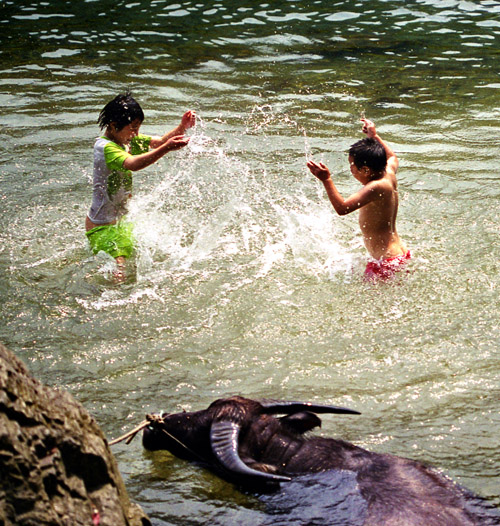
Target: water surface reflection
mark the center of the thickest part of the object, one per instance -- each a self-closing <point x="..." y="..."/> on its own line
<point x="244" y="280"/>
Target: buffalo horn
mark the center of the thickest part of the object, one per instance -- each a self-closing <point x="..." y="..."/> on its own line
<point x="224" y="440"/>
<point x="273" y="407"/>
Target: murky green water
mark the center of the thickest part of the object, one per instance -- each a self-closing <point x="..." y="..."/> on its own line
<point x="246" y="282"/>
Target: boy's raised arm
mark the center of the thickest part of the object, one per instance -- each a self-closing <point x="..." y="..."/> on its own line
<point x="371" y="132"/>
<point x="188" y="121"/>
<point x="342" y="206"/>
<point x="321" y="172"/>
<point x="143" y="160"/>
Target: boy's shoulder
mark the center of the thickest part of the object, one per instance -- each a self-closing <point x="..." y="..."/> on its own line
<point x="384" y="184"/>
<point x="103" y="142"/>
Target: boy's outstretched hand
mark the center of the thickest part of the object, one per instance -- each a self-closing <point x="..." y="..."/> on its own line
<point x="369" y="128"/>
<point x="188" y="119"/>
<point x="177" y="142"/>
<point x="319" y="170"/>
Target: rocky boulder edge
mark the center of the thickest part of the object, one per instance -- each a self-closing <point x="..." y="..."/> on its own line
<point x="55" y="464"/>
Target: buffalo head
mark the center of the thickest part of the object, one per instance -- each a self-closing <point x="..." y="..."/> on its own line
<point x="243" y="441"/>
<point x="230" y="436"/>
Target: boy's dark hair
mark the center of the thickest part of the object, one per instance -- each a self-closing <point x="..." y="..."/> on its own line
<point x="369" y="152"/>
<point x="122" y="110"/>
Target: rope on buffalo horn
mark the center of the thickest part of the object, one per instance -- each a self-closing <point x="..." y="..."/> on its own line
<point x="150" y="420"/>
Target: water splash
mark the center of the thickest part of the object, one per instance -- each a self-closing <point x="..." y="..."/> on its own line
<point x="220" y="203"/>
<point x="264" y="118"/>
<point x="115" y="298"/>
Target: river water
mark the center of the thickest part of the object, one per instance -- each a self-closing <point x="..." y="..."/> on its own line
<point x="245" y="280"/>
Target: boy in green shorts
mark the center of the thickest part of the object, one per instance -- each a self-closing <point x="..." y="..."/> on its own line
<point x="118" y="153"/>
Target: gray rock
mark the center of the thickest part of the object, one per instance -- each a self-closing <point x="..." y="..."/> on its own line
<point x="55" y="464"/>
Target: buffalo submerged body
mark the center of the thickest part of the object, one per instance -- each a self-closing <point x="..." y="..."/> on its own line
<point x="243" y="441"/>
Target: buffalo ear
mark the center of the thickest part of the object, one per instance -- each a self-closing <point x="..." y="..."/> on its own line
<point x="224" y="440"/>
<point x="301" y="422"/>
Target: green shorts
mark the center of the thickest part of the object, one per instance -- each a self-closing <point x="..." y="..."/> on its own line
<point x="116" y="240"/>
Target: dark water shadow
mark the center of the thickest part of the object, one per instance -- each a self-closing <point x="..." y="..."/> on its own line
<point x="320" y="499"/>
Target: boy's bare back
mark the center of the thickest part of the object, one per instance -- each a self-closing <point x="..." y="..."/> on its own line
<point x="377" y="219"/>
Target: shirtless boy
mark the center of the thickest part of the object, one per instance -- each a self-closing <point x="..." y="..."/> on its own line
<point x="374" y="164"/>
<point x="120" y="151"/>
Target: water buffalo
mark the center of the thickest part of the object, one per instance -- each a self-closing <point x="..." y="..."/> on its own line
<point x="242" y="441"/>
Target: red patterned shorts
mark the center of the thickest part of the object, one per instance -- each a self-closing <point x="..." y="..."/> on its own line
<point x="385" y="269"/>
